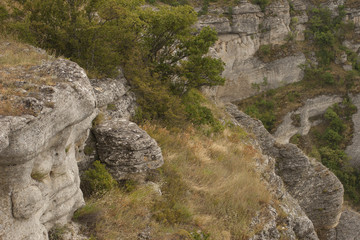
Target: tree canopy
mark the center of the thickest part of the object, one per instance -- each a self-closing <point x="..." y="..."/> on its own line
<point x="103" y="35"/>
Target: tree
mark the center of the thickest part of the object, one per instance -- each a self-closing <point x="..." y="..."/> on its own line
<point x="177" y="52"/>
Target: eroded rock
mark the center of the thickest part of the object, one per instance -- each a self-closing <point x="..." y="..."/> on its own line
<point x="125" y="148"/>
<point x="317" y="190"/>
<point x="349" y="225"/>
<point x="38" y="165"/>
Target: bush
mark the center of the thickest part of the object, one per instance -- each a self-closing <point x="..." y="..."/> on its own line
<point x="88" y="214"/>
<point x="97" y="180"/>
<point x="264" y="111"/>
<point x="262" y="3"/>
<point x="57" y="232"/>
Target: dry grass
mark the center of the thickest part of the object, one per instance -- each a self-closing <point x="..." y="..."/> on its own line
<point x="208" y="184"/>
<point x="14" y="53"/>
<point x="19" y="78"/>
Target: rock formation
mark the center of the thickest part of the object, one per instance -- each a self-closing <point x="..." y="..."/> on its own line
<point x="312" y="107"/>
<point x="126" y="149"/>
<point x="38" y="154"/>
<point x="348" y="227"/>
<point x="240" y="37"/>
<point x="317" y="190"/>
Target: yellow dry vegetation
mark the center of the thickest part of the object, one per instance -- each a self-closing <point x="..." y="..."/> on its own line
<point x="14" y="53"/>
<point x="209" y="187"/>
<point x="17" y="78"/>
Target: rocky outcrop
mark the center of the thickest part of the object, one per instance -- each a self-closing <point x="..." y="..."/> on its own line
<point x="348" y="227"/>
<point x="287" y="220"/>
<point x="240" y="36"/>
<point x="38" y="155"/>
<point x="126" y="149"/>
<point x="120" y="144"/>
<point x="317" y="190"/>
<point x="312" y="107"/>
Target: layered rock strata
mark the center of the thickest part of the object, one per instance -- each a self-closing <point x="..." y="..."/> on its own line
<point x="241" y="34"/>
<point x="317" y="190"/>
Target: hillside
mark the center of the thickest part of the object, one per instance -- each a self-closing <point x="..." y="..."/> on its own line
<point x="130" y="124"/>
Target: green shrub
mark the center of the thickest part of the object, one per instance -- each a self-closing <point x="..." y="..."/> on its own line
<point x="197" y="113"/>
<point x="264" y="111"/>
<point x="332" y="138"/>
<point x="88" y="150"/>
<point x="262" y="3"/>
<point x="97" y="180"/>
<point x="57" y="232"/>
<point x="88" y="214"/>
<point x="98" y="120"/>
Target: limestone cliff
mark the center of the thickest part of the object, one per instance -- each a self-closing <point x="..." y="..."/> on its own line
<point x="243" y="29"/>
<point x="40" y="152"/>
<point x="240" y="38"/>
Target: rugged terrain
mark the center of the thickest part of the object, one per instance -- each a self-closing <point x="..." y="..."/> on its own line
<point x="55" y="122"/>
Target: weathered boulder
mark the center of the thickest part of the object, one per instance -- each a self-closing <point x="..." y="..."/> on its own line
<point x="38" y="166"/>
<point x="348" y="227"/>
<point x="125" y="148"/>
<point x="317" y="190"/>
<point x="113" y="97"/>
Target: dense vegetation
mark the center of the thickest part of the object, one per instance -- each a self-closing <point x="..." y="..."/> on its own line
<point x="162" y="56"/>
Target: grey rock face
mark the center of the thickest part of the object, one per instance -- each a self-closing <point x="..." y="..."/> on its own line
<point x="125" y="148"/>
<point x="38" y="166"/>
<point x="239" y="40"/>
<point x="317" y="190"/>
<point x="348" y="227"/>
<point x="114" y="97"/>
<point x="288" y="221"/>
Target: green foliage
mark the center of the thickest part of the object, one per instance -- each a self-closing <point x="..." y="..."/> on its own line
<point x="318" y="75"/>
<point x="265" y="50"/>
<point x="200" y="235"/>
<point x="264" y="111"/>
<point x="57" y="232"/>
<point x="88" y="214"/>
<point x="98" y="119"/>
<point x="197" y="113"/>
<point x="326" y="32"/>
<point x="332" y="153"/>
<point x="262" y="3"/>
<point x="88" y="150"/>
<point x="97" y="180"/>
<point x="102" y="35"/>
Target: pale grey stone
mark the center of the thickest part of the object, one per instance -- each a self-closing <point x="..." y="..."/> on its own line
<point x="125" y="148"/>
